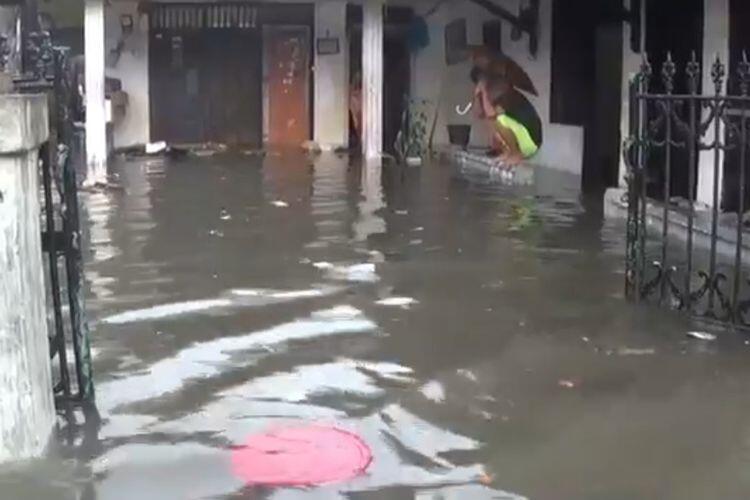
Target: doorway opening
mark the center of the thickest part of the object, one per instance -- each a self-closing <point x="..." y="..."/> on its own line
<point x="672" y="27"/>
<point x="587" y="47"/>
<point x="397" y="67"/>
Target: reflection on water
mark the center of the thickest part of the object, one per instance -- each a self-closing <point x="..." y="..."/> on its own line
<point x="435" y="314"/>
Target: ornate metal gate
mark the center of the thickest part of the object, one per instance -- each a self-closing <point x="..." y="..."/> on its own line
<point x="44" y="69"/>
<point x="681" y="254"/>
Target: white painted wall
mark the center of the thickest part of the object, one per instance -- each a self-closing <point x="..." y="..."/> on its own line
<point x="132" y="70"/>
<point x="331" y="73"/>
<point x="631" y="63"/>
<point x="563" y="144"/>
<point x="715" y="43"/>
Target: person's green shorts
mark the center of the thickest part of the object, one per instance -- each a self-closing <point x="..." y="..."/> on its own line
<point x="527" y="145"/>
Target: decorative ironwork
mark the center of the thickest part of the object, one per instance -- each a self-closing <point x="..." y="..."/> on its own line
<point x="705" y="280"/>
<point x="4" y="53"/>
<point x="187" y="16"/>
<point x="45" y="69"/>
<point x="40" y="57"/>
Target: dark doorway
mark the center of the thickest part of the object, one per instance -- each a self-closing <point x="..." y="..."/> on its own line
<point x="587" y="81"/>
<point x="492" y="35"/>
<point x="397" y="67"/>
<point x="739" y="41"/>
<point x="205" y="86"/>
<point x="672" y="27"/>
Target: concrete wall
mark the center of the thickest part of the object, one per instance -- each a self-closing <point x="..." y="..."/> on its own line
<point x="132" y="69"/>
<point x="26" y="407"/>
<point x="563" y="144"/>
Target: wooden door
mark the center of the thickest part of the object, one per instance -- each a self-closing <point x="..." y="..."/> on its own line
<point x="673" y="27"/>
<point x="176" y="104"/>
<point x="287" y="50"/>
<point x="206" y="86"/>
<point x="232" y="83"/>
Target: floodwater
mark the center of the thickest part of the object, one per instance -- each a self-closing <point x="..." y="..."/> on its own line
<point x="474" y="335"/>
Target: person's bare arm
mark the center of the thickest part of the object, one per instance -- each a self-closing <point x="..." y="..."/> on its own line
<point x="477" y="103"/>
<point x="488" y="109"/>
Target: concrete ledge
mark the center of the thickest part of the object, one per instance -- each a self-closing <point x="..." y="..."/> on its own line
<point x="24" y="123"/>
<point x="616" y="207"/>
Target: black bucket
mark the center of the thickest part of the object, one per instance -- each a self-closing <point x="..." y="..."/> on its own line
<point x="459" y="135"/>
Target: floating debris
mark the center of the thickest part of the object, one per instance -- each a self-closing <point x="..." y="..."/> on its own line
<point x="154" y="148"/>
<point x="708" y="337"/>
<point x="280" y="204"/>
<point x="224" y="215"/>
<point x="567" y="384"/>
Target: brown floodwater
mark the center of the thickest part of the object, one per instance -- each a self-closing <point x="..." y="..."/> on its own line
<point x="473" y="334"/>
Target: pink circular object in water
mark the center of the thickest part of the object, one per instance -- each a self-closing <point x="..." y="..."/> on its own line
<point x="301" y="456"/>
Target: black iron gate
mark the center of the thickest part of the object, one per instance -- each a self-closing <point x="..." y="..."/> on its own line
<point x="44" y="69"/>
<point x="679" y="253"/>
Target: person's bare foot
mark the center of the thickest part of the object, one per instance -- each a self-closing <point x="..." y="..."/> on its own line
<point x="514" y="160"/>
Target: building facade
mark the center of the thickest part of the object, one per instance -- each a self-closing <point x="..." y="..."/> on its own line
<point x="280" y="73"/>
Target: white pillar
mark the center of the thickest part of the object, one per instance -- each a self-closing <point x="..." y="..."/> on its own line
<point x="27" y="412"/>
<point x="631" y="65"/>
<point x="715" y="43"/>
<point x="96" y="113"/>
<point x="370" y="204"/>
<point x="372" y="80"/>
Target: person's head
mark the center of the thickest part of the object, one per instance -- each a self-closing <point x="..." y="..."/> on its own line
<point x="481" y="57"/>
